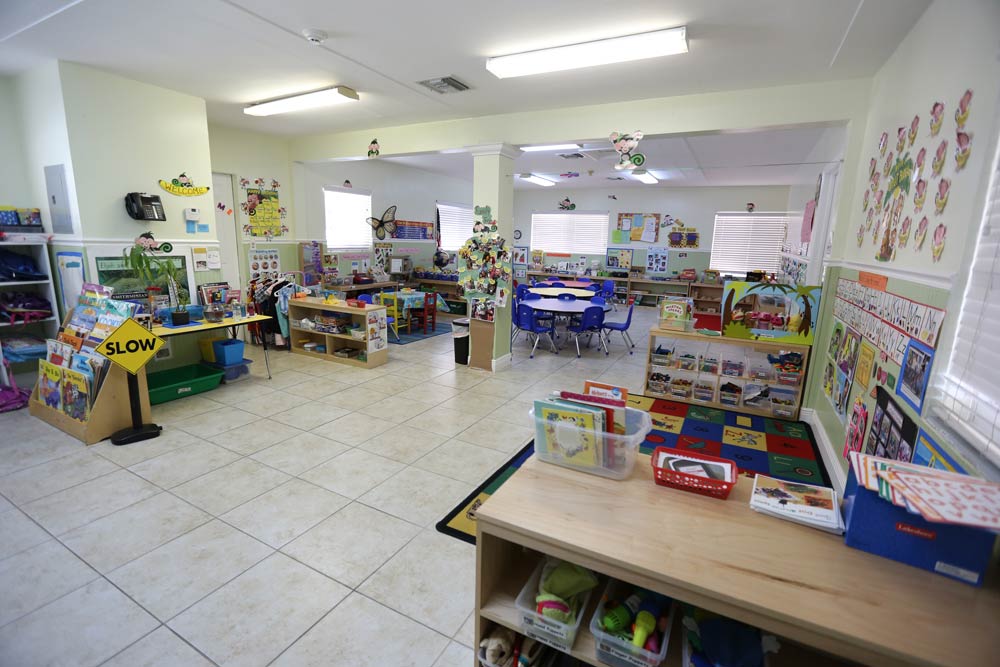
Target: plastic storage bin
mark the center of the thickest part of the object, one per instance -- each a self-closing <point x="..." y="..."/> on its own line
<point x="228" y="351"/>
<point x="207" y="346"/>
<point x="709" y="363"/>
<point x="234" y="372"/>
<point x="182" y="381"/>
<point x="681" y="386"/>
<point x="552" y="441"/>
<point x="705" y="486"/>
<point x="733" y="364"/>
<point x="789" y="379"/>
<point x="548" y="631"/>
<point x="753" y="396"/>
<point x="618" y="652"/>
<point x="730" y="392"/>
<point x="704" y="388"/>
<point x="783" y="402"/>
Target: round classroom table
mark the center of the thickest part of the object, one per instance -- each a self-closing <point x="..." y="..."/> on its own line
<point x="556" y="291"/>
<point x="578" y="284"/>
<point x="560" y="307"/>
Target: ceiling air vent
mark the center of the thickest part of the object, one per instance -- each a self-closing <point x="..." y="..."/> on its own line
<point x="444" y="85"/>
<point x="572" y="156"/>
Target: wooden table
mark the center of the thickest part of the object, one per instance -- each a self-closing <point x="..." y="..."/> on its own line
<point x="556" y="291"/>
<point x="227" y="323"/>
<point x="799" y="583"/>
<point x="364" y="288"/>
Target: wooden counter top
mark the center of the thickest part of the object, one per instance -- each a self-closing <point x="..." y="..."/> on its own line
<point x="792" y="580"/>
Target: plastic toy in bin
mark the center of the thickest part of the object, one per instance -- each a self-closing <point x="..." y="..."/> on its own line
<point x="631" y="626"/>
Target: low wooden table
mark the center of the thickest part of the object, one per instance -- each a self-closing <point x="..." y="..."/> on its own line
<point x="227" y="323"/>
<point x="799" y="583"/>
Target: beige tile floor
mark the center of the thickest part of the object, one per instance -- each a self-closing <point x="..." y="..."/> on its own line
<point x="287" y="521"/>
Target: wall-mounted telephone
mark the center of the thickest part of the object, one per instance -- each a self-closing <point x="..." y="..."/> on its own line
<point x="141" y="206"/>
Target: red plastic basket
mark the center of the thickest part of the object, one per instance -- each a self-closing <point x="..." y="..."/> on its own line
<point x="702" y="485"/>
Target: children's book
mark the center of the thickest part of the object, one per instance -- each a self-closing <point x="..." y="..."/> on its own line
<point x="73" y="341"/>
<point x="107" y="322"/>
<point x="605" y="390"/>
<point x="814" y="506"/>
<point x="82" y="321"/>
<point x="58" y="353"/>
<point x="573" y="433"/>
<point x="50" y="379"/>
<point x="76" y="395"/>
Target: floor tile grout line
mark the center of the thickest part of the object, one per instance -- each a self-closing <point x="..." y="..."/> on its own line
<point x="171" y="631"/>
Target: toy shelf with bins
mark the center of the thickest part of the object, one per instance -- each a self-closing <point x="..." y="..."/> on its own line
<point x="668" y="541"/>
<point x="726" y="373"/>
<point x="309" y="308"/>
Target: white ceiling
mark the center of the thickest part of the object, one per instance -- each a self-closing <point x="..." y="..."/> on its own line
<point x="786" y="156"/>
<point x="233" y="52"/>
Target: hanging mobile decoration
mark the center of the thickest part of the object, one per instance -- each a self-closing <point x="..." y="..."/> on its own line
<point x="373" y="148"/>
<point x="567" y="205"/>
<point x="625" y="144"/>
<point x="384" y="225"/>
<point x="347" y="184"/>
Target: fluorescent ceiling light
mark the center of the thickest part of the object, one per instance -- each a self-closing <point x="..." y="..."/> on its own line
<point x="314" y="100"/>
<point x="537" y="180"/>
<point x="645" y="177"/>
<point x="552" y="147"/>
<point x="590" y="54"/>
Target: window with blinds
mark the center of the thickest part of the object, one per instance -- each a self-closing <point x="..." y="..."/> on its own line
<point x="966" y="394"/>
<point x="346" y="212"/>
<point x="577" y="232"/>
<point x="456" y="223"/>
<point x="745" y="242"/>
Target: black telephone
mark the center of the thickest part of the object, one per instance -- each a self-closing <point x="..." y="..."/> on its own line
<point x="141" y="206"/>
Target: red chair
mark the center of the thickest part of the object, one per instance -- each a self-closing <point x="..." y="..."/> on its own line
<point x="427" y="316"/>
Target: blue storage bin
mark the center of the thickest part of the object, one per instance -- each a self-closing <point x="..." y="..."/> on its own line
<point x="228" y="352"/>
<point x="233" y="372"/>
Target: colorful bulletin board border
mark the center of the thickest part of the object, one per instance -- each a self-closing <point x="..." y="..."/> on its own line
<point x="929" y="453"/>
<point x="915" y="374"/>
<point x="887" y="320"/>
<point x="413" y="230"/>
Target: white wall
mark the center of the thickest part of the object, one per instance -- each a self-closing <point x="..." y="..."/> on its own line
<point x="125" y="136"/>
<point x="695" y="206"/>
<point x="953" y="47"/>
<point x="14" y="189"/>
<point x="42" y="122"/>
<point x="413" y="191"/>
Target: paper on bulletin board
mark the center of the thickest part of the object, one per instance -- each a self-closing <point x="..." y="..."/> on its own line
<point x="200" y="258"/>
<point x="214" y="259"/>
<point x="71" y="277"/>
<point x="807" y="221"/>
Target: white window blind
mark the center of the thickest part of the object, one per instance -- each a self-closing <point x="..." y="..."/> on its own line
<point x="456" y="224"/>
<point x="966" y="394"/>
<point x="745" y="242"/>
<point x="578" y="232"/>
<point x="346" y="212"/>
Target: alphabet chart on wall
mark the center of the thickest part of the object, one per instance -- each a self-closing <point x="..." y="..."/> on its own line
<point x="887" y="320"/>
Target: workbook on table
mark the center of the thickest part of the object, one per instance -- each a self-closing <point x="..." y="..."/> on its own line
<point x="573" y="432"/>
<point x="813" y="506"/>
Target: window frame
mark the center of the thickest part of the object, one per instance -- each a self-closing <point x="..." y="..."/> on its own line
<point x="752" y="252"/>
<point x="441" y="227"/>
<point x="326" y="229"/>
<point x="572" y="249"/>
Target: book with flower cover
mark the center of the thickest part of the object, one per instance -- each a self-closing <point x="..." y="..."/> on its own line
<point x="572" y="434"/>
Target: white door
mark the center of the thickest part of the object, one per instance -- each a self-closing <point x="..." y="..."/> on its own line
<point x="225" y="224"/>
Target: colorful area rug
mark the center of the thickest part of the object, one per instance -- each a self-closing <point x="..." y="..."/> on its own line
<point x="775" y="447"/>
<point x="417" y="333"/>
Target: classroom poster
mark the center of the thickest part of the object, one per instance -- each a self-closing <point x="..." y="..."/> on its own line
<point x="519" y="256"/>
<point x="893" y="435"/>
<point x="378" y="330"/>
<point x="866" y="362"/>
<point x="537" y="259"/>
<point x="262" y="210"/>
<point x="915" y="374"/>
<point x="619" y="258"/>
<point x="656" y="260"/>
<point x="264" y="263"/>
<point x="382" y="253"/>
<point x="200" y="258"/>
<point x="414" y="230"/>
<point x="71" y="276"/>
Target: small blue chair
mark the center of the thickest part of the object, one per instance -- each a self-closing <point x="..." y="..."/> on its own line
<point x="593" y="288"/>
<point x="365" y="298"/>
<point x="598" y="301"/>
<point x="521" y="291"/>
<point x="592" y="322"/>
<point x="389" y="320"/>
<point x="623" y="328"/>
<point x="557" y="284"/>
<point x="535" y="327"/>
<point x="582" y="279"/>
<point x="608" y="292"/>
<point x="566" y="297"/>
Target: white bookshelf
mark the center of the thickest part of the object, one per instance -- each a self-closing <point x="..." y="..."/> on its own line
<point x="26" y="372"/>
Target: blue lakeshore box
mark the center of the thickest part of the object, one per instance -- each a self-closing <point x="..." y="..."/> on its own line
<point x="877" y="526"/>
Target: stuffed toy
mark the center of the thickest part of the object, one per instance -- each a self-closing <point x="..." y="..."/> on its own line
<point x="561" y="588"/>
<point x="498" y="647"/>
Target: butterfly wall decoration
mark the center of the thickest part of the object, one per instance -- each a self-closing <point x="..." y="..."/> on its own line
<point x="384" y="225"/>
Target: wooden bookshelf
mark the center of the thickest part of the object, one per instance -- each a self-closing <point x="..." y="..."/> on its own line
<point x="827" y="603"/>
<point x="309" y="308"/>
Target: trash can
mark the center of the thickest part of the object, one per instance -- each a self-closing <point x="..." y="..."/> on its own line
<point x="460" y="336"/>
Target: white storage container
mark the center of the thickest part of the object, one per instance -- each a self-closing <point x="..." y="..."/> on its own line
<point x="617" y="451"/>
<point x="548" y="631"/>
<point x="617" y="652"/>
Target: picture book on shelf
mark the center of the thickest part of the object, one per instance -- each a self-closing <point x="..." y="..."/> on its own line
<point x="58" y="353"/>
<point x="603" y="390"/>
<point x="614" y="409"/>
<point x="573" y="433"/>
<point x="814" y="506"/>
<point x="76" y="395"/>
<point x="50" y="379"/>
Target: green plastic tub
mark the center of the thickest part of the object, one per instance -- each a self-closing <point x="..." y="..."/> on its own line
<point x="182" y="381"/>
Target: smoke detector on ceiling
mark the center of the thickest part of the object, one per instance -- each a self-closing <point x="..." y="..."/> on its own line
<point x="315" y="36"/>
<point x="444" y="85"/>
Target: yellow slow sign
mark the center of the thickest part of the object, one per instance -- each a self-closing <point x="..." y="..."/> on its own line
<point x="130" y="346"/>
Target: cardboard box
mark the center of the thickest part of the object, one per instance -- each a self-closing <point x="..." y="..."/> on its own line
<point x="877" y="526"/>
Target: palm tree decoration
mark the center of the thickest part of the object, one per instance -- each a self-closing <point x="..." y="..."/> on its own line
<point x="806" y="295"/>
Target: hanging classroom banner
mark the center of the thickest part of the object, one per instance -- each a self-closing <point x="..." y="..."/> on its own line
<point x="414" y="230"/>
<point x="262" y="209"/>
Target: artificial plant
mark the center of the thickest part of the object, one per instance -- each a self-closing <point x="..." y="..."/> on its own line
<point x="142" y="258"/>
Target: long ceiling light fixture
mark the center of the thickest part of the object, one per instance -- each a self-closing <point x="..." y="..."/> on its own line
<point x="645" y="177"/>
<point x="590" y="54"/>
<point x="314" y="100"/>
<point x="537" y="180"/>
<point x="551" y="147"/>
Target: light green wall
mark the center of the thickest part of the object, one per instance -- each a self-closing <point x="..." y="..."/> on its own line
<point x="14" y="190"/>
<point x="125" y="136"/>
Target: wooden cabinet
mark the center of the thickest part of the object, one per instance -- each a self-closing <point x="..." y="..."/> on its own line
<point x="370" y="352"/>
<point x="727" y="373"/>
